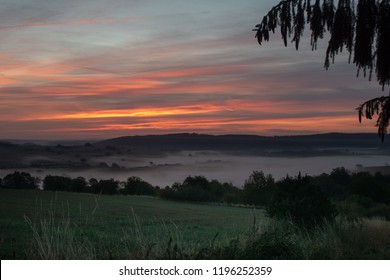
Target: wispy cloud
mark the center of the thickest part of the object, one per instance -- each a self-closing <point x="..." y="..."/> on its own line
<point x="136" y="113"/>
<point x="181" y="70"/>
<point x="76" y="22"/>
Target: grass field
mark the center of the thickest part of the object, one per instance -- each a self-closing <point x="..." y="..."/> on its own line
<point x="37" y="224"/>
<point x="60" y="225"/>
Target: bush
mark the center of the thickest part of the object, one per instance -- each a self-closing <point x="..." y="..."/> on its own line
<point x="379" y="210"/>
<point x="258" y="189"/>
<point x="272" y="245"/>
<point x="303" y="203"/>
<point x="364" y="184"/>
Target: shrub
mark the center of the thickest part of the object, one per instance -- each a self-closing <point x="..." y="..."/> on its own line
<point x="272" y="245"/>
<point x="379" y="210"/>
<point x="258" y="188"/>
<point x="364" y="184"/>
<point x="303" y="203"/>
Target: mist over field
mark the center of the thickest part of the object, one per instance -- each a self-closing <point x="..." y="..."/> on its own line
<point x="164" y="160"/>
<point x="225" y="168"/>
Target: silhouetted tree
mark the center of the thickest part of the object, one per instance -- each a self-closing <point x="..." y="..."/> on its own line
<point x="57" y="183"/>
<point x="199" y="189"/>
<point x="79" y="184"/>
<point x="136" y="186"/>
<point x="195" y="188"/>
<point x="64" y="183"/>
<point x="20" y="180"/>
<point x="340" y="175"/>
<point x="334" y="185"/>
<point x="302" y="202"/>
<point x="362" y="29"/>
<point x="258" y="188"/>
<point x="109" y="186"/>
<point x="365" y="185"/>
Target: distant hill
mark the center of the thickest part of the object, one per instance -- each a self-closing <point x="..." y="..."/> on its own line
<point x="117" y="150"/>
<point x="187" y="141"/>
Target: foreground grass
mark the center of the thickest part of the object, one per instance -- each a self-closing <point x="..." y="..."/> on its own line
<point x="366" y="239"/>
<point x="47" y="225"/>
<point x="36" y="224"/>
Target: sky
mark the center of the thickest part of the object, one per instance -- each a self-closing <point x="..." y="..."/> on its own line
<point x="97" y="69"/>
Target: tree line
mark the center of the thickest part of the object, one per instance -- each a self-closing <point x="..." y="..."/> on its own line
<point x="303" y="198"/>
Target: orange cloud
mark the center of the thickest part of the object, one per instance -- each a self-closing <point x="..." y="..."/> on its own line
<point x="345" y="123"/>
<point x="216" y="124"/>
<point x="136" y="113"/>
<point x="6" y="81"/>
<point x="226" y="125"/>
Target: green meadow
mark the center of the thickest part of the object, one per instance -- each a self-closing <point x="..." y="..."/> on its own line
<point x="32" y="222"/>
<point x="63" y="225"/>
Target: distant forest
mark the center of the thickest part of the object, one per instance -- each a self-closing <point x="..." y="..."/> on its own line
<point x="350" y="195"/>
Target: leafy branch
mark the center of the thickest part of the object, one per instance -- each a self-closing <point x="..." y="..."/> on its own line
<point x="379" y="106"/>
<point x="362" y="29"/>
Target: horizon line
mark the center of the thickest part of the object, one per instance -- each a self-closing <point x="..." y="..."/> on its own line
<point x="179" y="133"/>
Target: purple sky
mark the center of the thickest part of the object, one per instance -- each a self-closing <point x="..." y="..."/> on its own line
<point x="85" y="69"/>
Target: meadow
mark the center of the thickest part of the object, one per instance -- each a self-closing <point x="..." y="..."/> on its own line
<point x="62" y="225"/>
<point x="37" y="224"/>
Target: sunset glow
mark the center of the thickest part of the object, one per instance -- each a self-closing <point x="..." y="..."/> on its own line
<point x="154" y="112"/>
<point x="132" y="68"/>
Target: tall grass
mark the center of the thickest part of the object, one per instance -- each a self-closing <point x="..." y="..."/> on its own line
<point x="157" y="240"/>
<point x="281" y="239"/>
<point x="368" y="239"/>
<point x="56" y="236"/>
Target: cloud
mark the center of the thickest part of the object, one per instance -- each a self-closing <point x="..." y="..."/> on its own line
<point x="76" y="22"/>
<point x="200" y="71"/>
<point x="177" y="111"/>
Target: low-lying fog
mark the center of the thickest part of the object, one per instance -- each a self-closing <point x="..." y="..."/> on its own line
<point x="166" y="170"/>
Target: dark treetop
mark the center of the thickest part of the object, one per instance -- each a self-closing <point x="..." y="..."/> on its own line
<point x="363" y="29"/>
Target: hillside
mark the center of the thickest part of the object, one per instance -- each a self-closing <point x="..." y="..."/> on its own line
<point x="251" y="143"/>
<point x="142" y="151"/>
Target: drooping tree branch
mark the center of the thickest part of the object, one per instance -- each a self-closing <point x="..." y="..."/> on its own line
<point x="379" y="106"/>
<point x="363" y="29"/>
<point x="383" y="43"/>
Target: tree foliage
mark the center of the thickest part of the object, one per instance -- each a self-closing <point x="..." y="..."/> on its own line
<point x="302" y="202"/>
<point x="109" y="186"/>
<point x="64" y="183"/>
<point x="200" y="189"/>
<point x="258" y="188"/>
<point x="136" y="186"/>
<point x="363" y="29"/>
<point x="20" y="180"/>
<point x="379" y="106"/>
